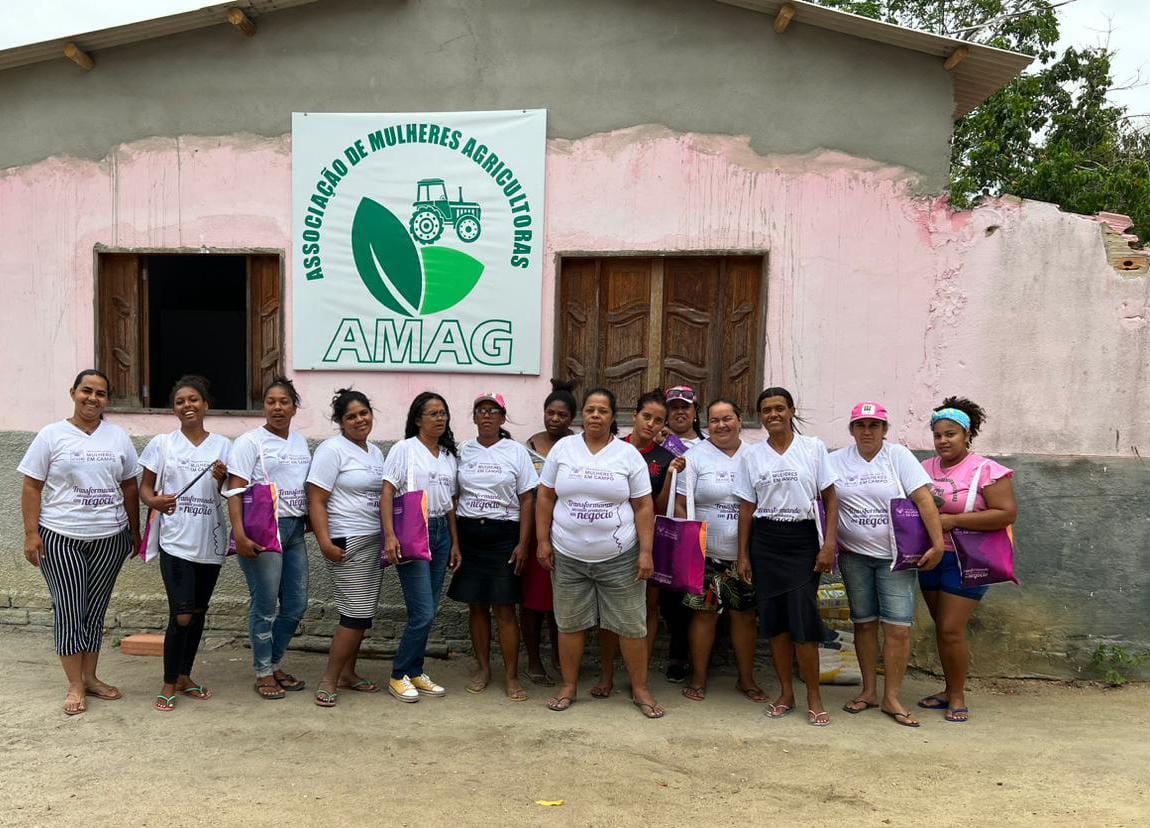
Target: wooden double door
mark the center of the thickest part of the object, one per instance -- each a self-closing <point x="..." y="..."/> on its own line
<point x="632" y="324"/>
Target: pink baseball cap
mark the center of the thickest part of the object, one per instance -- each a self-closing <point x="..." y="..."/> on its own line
<point x="492" y="397"/>
<point x="682" y="392"/>
<point x="869" y="411"/>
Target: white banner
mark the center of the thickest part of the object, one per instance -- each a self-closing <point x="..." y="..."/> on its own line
<point x="417" y="241"/>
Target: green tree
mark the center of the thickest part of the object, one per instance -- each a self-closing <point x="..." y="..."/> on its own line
<point x="1051" y="134"/>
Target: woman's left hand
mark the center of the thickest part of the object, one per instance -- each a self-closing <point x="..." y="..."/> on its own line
<point x="678" y="464"/>
<point x="219" y="471"/>
<point x="518" y="558"/>
<point x="456" y="558"/>
<point x="825" y="562"/>
<point x="646" y="566"/>
<point x="948" y="522"/>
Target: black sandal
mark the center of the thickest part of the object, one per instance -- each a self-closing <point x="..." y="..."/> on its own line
<point x="290" y="683"/>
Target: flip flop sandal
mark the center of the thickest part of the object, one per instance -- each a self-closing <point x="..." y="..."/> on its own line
<point x="935" y="702"/>
<point x="80" y="708"/>
<point x="601" y="692"/>
<point x="903" y="719"/>
<point x="164" y="704"/>
<point x="291" y="683"/>
<point x="115" y="695"/>
<point x="517" y="695"/>
<point x="777" y="711"/>
<point x="651" y="711"/>
<point x="475" y="687"/>
<point x="541" y="679"/>
<point x="557" y="704"/>
<point x="271" y="692"/>
<point x="754" y="694"/>
<point x="694" y="693"/>
<point x="852" y="708"/>
<point x="362" y="686"/>
<point x="325" y="699"/>
<point x="820" y="719"/>
<point x="197" y="692"/>
<point x="957" y="715"/>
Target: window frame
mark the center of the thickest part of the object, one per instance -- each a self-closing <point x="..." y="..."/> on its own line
<point x="626" y="417"/>
<point x="100" y="250"/>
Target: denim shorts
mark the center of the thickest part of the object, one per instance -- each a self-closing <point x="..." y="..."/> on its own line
<point x="875" y="593"/>
<point x="603" y="593"/>
<point x="947" y="577"/>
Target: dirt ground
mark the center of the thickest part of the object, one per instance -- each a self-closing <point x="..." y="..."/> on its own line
<point x="1032" y="753"/>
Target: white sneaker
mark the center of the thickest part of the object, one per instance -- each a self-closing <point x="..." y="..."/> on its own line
<point x="403" y="689"/>
<point x="423" y="684"/>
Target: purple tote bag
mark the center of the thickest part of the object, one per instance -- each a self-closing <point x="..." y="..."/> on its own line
<point x="261" y="513"/>
<point x="409" y="519"/>
<point x="908" y="535"/>
<point x="680" y="547"/>
<point x="983" y="557"/>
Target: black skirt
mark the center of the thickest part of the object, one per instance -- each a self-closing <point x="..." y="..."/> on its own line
<point x="783" y="557"/>
<point x="485" y="576"/>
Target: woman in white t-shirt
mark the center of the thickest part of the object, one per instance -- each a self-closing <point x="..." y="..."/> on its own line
<point x="495" y="515"/>
<point x="784" y="547"/>
<point x="595" y="523"/>
<point x="871" y="473"/>
<point x="428" y="453"/>
<point x="183" y="472"/>
<point x="277" y="582"/>
<point x="81" y="508"/>
<point x="712" y="466"/>
<point x="343" y="487"/>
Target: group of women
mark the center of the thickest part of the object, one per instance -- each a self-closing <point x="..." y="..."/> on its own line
<point x="562" y="526"/>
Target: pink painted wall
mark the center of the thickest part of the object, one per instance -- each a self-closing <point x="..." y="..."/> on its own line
<point x="873" y="292"/>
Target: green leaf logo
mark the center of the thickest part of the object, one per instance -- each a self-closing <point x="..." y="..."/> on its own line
<point x="391" y="268"/>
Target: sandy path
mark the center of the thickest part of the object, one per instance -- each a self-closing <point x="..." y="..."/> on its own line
<point x="1033" y="753"/>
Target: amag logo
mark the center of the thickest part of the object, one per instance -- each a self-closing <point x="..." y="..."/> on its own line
<point x="410" y="281"/>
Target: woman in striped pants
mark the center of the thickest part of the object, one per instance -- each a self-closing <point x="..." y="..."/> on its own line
<point x="81" y="510"/>
<point x="343" y="487"/>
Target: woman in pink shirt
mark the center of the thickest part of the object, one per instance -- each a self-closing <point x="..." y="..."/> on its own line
<point x="952" y="472"/>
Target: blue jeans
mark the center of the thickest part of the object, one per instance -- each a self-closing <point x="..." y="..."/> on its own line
<point x="422" y="584"/>
<point x="276" y="579"/>
<point x="876" y="593"/>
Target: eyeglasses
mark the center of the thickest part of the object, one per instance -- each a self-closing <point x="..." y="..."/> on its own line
<point x="435" y="415"/>
<point x="488" y="412"/>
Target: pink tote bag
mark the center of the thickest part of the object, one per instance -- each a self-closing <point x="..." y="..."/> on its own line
<point x="409" y="519"/>
<point x="680" y="547"/>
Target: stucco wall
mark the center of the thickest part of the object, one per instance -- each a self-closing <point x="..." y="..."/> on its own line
<point x="597" y="65"/>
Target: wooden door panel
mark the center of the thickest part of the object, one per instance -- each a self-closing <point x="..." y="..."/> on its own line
<point x="625" y="306"/>
<point x="690" y="322"/>
<point x="120" y="343"/>
<point x="265" y="324"/>
<point x="741" y="351"/>
<point x="579" y="322"/>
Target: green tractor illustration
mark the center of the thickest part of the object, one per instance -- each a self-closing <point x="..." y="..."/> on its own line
<point x="433" y="210"/>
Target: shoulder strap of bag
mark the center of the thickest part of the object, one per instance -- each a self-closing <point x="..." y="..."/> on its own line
<point x="410" y="471"/>
<point x="894" y="471"/>
<point x="972" y="492"/>
<point x="675" y="494"/>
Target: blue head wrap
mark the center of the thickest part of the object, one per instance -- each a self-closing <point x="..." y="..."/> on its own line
<point x="960" y="417"/>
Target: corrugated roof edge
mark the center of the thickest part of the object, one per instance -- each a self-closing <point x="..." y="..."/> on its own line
<point x="209" y="15"/>
<point x="983" y="72"/>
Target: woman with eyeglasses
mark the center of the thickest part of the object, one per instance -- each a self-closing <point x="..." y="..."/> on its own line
<point x="428" y="451"/>
<point x="495" y="518"/>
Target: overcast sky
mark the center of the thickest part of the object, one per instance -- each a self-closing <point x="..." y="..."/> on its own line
<point x="1084" y="23"/>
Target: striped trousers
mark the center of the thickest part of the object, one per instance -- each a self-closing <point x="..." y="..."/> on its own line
<point x="80" y="575"/>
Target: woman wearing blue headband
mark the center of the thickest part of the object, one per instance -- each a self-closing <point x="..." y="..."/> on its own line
<point x="953" y="472"/>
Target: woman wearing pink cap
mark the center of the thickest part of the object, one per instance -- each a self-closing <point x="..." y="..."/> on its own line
<point x="494" y="517"/>
<point x="955" y="474"/>
<point x="871" y="473"/>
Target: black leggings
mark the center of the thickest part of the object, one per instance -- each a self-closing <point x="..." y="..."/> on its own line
<point x="189" y="586"/>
